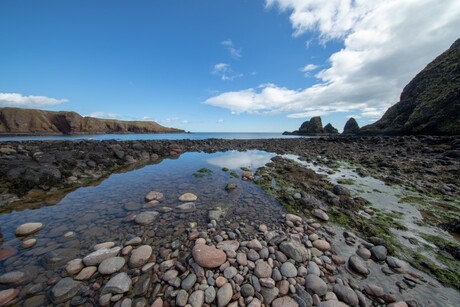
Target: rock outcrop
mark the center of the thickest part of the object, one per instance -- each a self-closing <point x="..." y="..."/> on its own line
<point x="429" y="104"/>
<point x="313" y="127"/>
<point x="31" y="121"/>
<point x="351" y="126"/>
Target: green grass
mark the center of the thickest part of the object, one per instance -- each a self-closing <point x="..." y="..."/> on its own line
<point x="225" y="169"/>
<point x="234" y="174"/>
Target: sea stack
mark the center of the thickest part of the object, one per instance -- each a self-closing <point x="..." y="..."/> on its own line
<point x="351" y="126"/>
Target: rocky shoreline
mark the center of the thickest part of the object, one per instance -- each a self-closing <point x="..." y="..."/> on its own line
<point x="301" y="260"/>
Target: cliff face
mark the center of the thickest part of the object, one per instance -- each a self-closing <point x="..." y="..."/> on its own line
<point x="30" y="121"/>
<point x="429" y="104"/>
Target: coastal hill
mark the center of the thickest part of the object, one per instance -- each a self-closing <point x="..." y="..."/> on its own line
<point x="429" y="104"/>
<point x="31" y="121"/>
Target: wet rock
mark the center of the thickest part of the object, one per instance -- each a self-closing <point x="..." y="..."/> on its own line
<point x="228" y="245"/>
<point x="230" y="272"/>
<point x="364" y="253"/>
<point x="313" y="268"/>
<point x="188" y="197"/>
<point x="394" y="263"/>
<point x="154" y="195"/>
<point x="374" y="290"/>
<point x="208" y="256"/>
<point x="7" y="252"/>
<point x="7" y="296"/>
<point x="188" y="282"/>
<point x="247" y="290"/>
<point x="315" y="285"/>
<point x="15" y="277"/>
<point x="255" y="245"/>
<point x="332" y="303"/>
<point x="181" y="298"/>
<point x="293" y="218"/>
<point x="284" y="301"/>
<point x="379" y="252"/>
<point x="241" y="258"/>
<point x="230" y="186"/>
<point x="340" y="190"/>
<point x="28" y="243"/>
<point x="210" y="295"/>
<point x="346" y="294"/>
<point x="322" y="245"/>
<point x="74" y="266"/>
<point x="86" y="273"/>
<point x="140" y="256"/>
<point x="288" y="270"/>
<point x="295" y="251"/>
<point x="304" y="295"/>
<point x="186" y="207"/>
<point x="147" y="217"/>
<point x="98" y="256"/>
<point x="320" y="214"/>
<point x="216" y="214"/>
<point x="118" y="284"/>
<point x="28" y="228"/>
<point x="111" y="265"/>
<point x="65" y="289"/>
<point x="224" y="295"/>
<point x="357" y="265"/>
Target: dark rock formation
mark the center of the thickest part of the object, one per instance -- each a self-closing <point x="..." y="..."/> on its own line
<point x="429" y="104"/>
<point x="313" y="127"/>
<point x="30" y="121"/>
<point x="330" y="129"/>
<point x="351" y="127"/>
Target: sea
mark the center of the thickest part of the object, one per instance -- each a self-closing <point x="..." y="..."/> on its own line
<point x="154" y="136"/>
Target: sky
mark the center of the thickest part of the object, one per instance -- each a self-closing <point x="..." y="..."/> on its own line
<point x="219" y="65"/>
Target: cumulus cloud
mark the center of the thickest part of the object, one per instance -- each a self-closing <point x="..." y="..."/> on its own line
<point x="234" y="52"/>
<point x="18" y="100"/>
<point x="308" y="68"/>
<point x="225" y="72"/>
<point x="385" y="44"/>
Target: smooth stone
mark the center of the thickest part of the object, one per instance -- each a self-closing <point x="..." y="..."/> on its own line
<point x="157" y="303"/>
<point x="86" y="273"/>
<point x="357" y="265"/>
<point x="134" y="241"/>
<point x="322" y="245"/>
<point x="7" y="296"/>
<point x="216" y="214"/>
<point x="208" y="256"/>
<point x="242" y="259"/>
<point x="111" y="265"/>
<point x="293" y="218"/>
<point x="74" y="266"/>
<point x="188" y="282"/>
<point x="140" y="256"/>
<point x="154" y="195"/>
<point x="267" y="282"/>
<point x="230" y="272"/>
<point x="64" y="290"/>
<point x="332" y="304"/>
<point x="374" y="290"/>
<point x="228" y="245"/>
<point x="394" y="263"/>
<point x="255" y="303"/>
<point x="186" y="207"/>
<point x="224" y="295"/>
<point x="346" y="295"/>
<point x="304" y="295"/>
<point x="364" y="253"/>
<point x="7" y="252"/>
<point x="100" y="255"/>
<point x="188" y="197"/>
<point x="320" y="214"/>
<point x="313" y="268"/>
<point x="340" y="190"/>
<point x="255" y="245"/>
<point x="247" y="290"/>
<point x="295" y="250"/>
<point x="196" y="299"/>
<point x="147" y="217"/>
<point x="181" y="298"/>
<point x="210" y="295"/>
<point x="269" y="294"/>
<point x="379" y="252"/>
<point x="28" y="243"/>
<point x="14" y="277"/>
<point x="284" y="301"/>
<point x="283" y="286"/>
<point x="315" y="285"/>
<point x="118" y="284"/>
<point x="28" y="228"/>
<point x="262" y="269"/>
<point x="170" y="275"/>
<point x="288" y="270"/>
<point x="253" y="255"/>
<point x="167" y="264"/>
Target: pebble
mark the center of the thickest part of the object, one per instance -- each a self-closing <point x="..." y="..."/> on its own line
<point x="374" y="290"/>
<point x="262" y="269"/>
<point x="104" y="245"/>
<point x="188" y="282"/>
<point x="295" y="250"/>
<point x="208" y="256"/>
<point x="288" y="270"/>
<point x="315" y="285"/>
<point x="320" y="214"/>
<point x="7" y="296"/>
<point x="146" y="218"/>
<point x="284" y="301"/>
<point x="230" y="272"/>
<point x="269" y="294"/>
<point x="196" y="299"/>
<point x="357" y="265"/>
<point x="28" y="243"/>
<point x="247" y="290"/>
<point x="64" y="290"/>
<point x="181" y="298"/>
<point x="86" y="273"/>
<point x="118" y="284"/>
<point x="242" y="259"/>
<point x="255" y="245"/>
<point x="111" y="265"/>
<point x="210" y="295"/>
<point x="140" y="256"/>
<point x="14" y="277"/>
<point x="28" y="228"/>
<point x="224" y="295"/>
<point x="379" y="252"/>
<point x="188" y="197"/>
<point x="346" y="294"/>
<point x="154" y="195"/>
<point x="322" y="245"/>
<point x="98" y="256"/>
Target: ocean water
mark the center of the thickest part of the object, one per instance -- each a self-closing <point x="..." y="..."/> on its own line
<point x="155" y="136"/>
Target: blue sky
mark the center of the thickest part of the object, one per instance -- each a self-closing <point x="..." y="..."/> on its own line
<point x="233" y="65"/>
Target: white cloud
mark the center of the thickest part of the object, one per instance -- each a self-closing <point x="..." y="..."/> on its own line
<point x="220" y="121"/>
<point x="386" y="43"/>
<point x="308" y="68"/>
<point x="234" y="52"/>
<point x="18" y="100"/>
<point x="225" y="72"/>
<point x="105" y="115"/>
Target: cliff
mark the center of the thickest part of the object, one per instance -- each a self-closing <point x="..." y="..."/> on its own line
<point x="31" y="121"/>
<point x="429" y="104"/>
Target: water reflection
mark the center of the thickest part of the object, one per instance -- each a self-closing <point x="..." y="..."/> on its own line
<point x="252" y="159"/>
